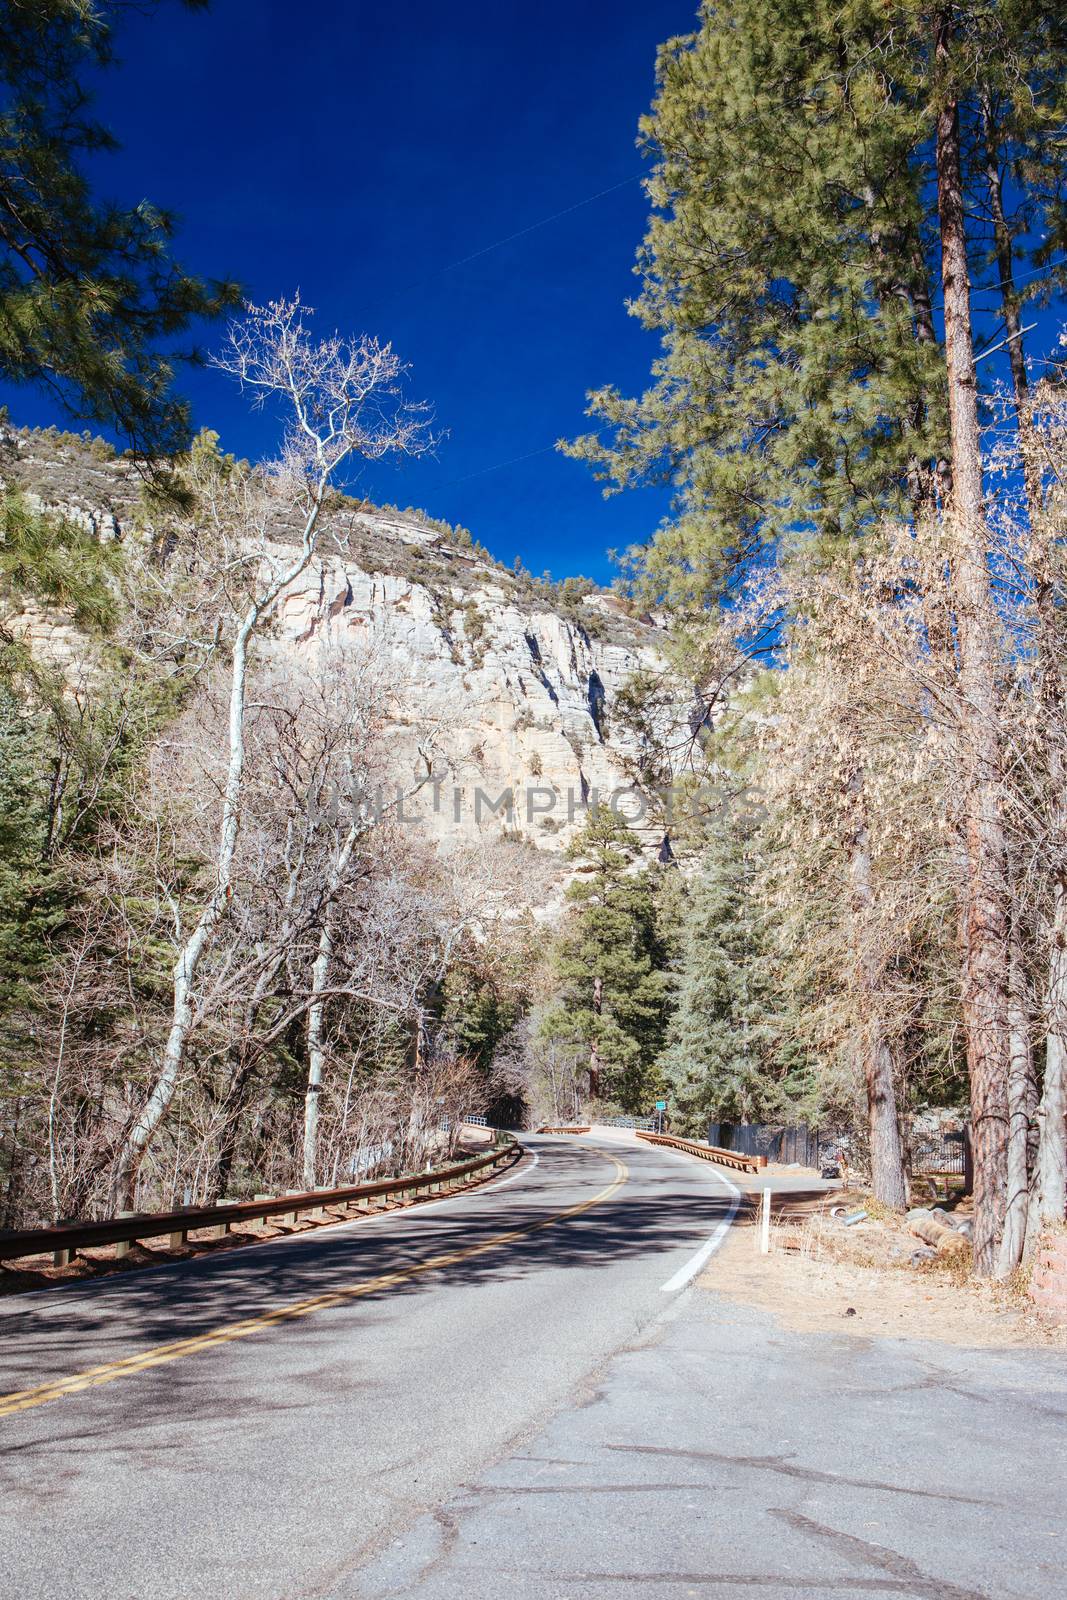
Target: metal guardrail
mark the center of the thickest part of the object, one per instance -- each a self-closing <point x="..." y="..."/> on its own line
<point x="555" y="1128"/>
<point x="709" y="1152"/>
<point x="124" y="1230"/>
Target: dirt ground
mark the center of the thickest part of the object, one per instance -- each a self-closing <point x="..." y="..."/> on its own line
<point x="860" y="1281"/>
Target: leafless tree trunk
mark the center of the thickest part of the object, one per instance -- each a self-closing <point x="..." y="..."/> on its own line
<point x="76" y="961"/>
<point x="986" y="953"/>
<point x="192" y="951"/>
<point x="1020" y="1086"/>
<point x="316" y="1047"/>
<point x="320" y="973"/>
<point x="338" y="397"/>
<point x="339" y="874"/>
<point x="1050" y="1178"/>
<point x="887" y="1158"/>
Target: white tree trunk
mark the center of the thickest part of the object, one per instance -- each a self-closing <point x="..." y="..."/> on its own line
<point x="316" y="1050"/>
<point x="1020" y="1081"/>
<point x="1049" y="1198"/>
<point x="132" y="1150"/>
<point x="189" y="957"/>
<point x="320" y="973"/>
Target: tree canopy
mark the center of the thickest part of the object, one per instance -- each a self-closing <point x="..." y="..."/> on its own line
<point x="790" y="266"/>
<point x="92" y="299"/>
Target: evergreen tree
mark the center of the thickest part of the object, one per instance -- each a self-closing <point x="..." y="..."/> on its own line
<point x="790" y="259"/>
<point x="609" y="962"/>
<point x="90" y="295"/>
<point x="715" y="1059"/>
<point x="783" y="269"/>
<point x="68" y="749"/>
<point x="31" y="894"/>
<point x="816" y="171"/>
<point x="56" y="562"/>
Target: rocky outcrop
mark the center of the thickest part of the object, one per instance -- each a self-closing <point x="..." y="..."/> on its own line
<point x="517" y="681"/>
<point x="519" y="697"/>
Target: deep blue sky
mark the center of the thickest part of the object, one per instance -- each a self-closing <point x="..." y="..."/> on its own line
<point x="354" y="151"/>
<point x="435" y="175"/>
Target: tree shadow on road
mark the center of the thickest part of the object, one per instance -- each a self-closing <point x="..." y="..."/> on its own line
<point x="69" y="1328"/>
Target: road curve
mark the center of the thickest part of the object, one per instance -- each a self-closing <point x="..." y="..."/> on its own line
<point x="265" y="1422"/>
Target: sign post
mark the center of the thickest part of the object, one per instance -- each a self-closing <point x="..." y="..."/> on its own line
<point x="661" y="1106"/>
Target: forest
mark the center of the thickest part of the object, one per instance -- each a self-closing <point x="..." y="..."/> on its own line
<point x="222" y="970"/>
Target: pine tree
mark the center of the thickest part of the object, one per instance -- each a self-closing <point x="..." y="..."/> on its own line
<point x="714" y="1061"/>
<point x="58" y="563"/>
<point x="783" y="271"/>
<point x="814" y="176"/>
<point x="609" y="963"/>
<point x="90" y="296"/>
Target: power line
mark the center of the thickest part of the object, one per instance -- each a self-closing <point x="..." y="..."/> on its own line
<point x="1015" y="282"/>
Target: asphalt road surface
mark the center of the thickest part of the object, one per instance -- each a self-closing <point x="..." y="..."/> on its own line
<point x="516" y="1392"/>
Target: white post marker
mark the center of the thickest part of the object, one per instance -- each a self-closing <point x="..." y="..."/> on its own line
<point x="765" y="1224"/>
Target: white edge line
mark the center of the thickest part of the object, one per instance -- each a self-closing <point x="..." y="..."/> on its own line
<point x="485" y="1187"/>
<point x="709" y="1247"/>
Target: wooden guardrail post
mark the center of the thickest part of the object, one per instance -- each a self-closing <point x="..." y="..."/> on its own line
<point x="224" y="1227"/>
<point x="62" y="1257"/>
<point x="179" y="1236"/>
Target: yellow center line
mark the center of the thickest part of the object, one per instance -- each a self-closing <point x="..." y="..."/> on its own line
<point x="26" y="1399"/>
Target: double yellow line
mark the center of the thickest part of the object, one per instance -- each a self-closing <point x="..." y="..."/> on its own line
<point x="159" y="1355"/>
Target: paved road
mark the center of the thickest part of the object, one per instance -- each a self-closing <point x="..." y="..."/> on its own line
<point x="534" y="1415"/>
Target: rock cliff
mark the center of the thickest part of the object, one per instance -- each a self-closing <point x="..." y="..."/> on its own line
<point x="518" y="679"/>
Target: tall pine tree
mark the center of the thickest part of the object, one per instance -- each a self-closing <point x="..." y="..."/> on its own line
<point x="814" y="176"/>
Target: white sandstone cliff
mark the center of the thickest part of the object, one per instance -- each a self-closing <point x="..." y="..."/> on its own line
<point x="521" y="695"/>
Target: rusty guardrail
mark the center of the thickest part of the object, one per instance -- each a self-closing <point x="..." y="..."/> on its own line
<point x="710" y="1152"/>
<point x="124" y="1230"/>
<point x="554" y="1128"/>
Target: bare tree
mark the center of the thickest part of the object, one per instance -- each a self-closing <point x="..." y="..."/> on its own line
<point x="355" y="809"/>
<point x="341" y="399"/>
<point x="985" y="952"/>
